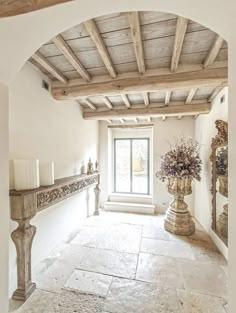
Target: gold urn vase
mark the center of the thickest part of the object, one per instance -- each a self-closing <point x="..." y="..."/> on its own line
<point x="222" y="222"/>
<point x="178" y="219"/>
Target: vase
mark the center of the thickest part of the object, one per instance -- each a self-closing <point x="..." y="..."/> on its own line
<point x="46" y="173"/>
<point x="26" y="174"/>
<point x="222" y="223"/>
<point x="178" y="219"/>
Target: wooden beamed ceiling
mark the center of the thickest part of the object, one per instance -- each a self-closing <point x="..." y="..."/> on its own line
<point x="152" y="60"/>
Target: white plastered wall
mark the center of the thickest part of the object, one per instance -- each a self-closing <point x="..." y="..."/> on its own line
<point x="205" y="130"/>
<point x="43" y="128"/>
<point x="21" y="36"/>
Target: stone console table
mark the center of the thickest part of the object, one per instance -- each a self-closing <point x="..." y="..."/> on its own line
<point x="25" y="205"/>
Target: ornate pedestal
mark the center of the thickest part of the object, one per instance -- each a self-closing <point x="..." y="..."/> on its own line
<point x="178" y="219"/>
<point x="25" y="205"/>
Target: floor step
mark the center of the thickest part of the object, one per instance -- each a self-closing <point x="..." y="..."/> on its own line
<point x="130" y="198"/>
<point x="129" y="207"/>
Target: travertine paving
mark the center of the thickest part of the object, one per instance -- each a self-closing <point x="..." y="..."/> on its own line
<point x="128" y="263"/>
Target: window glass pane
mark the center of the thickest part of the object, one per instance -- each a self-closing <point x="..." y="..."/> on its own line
<point x="122" y="166"/>
<point x="140" y="166"/>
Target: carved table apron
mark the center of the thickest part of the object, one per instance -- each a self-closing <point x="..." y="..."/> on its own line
<point x="25" y="205"/>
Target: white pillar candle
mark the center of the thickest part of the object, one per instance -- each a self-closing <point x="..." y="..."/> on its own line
<point x="26" y="174"/>
<point x="46" y="170"/>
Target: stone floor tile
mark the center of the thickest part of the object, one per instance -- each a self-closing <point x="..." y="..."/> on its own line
<point x="67" y="302"/>
<point x="155" y="232"/>
<point x="14" y="305"/>
<point x="207" y="252"/>
<point x="200" y="236"/>
<point x="89" y="282"/>
<point x="164" y="271"/>
<point x="89" y="236"/>
<point x="129" y="296"/>
<point x="122" y="237"/>
<point x="167" y="248"/>
<point x="101" y="261"/>
<point x="55" y="276"/>
<point x="204" y="278"/>
<point x="200" y="303"/>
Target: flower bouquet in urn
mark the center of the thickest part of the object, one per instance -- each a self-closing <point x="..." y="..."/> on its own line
<point x="179" y="167"/>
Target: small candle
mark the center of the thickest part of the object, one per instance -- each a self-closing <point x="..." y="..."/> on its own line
<point x="46" y="170"/>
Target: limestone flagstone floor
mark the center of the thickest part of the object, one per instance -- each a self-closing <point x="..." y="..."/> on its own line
<point x="128" y="263"/>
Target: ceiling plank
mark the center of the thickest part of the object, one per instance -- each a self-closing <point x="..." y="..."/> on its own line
<point x="181" y="28"/>
<point x="107" y="103"/>
<point x="137" y="40"/>
<point x="97" y="39"/>
<point x="190" y="96"/>
<point x="12" y="8"/>
<point x="168" y="96"/>
<point x="126" y="100"/>
<point x="175" y="81"/>
<point x="38" y="57"/>
<point x="171" y="110"/>
<point x="89" y="104"/>
<point x="71" y="57"/>
<point x="146" y="98"/>
<point x="213" y="52"/>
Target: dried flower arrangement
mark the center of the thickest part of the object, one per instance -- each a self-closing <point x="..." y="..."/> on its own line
<point x="182" y="161"/>
<point x="222" y="163"/>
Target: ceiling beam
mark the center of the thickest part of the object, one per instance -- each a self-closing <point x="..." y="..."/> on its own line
<point x="137" y="40"/>
<point x="126" y="100"/>
<point x="181" y="28"/>
<point x="107" y="103"/>
<point x="93" y="31"/>
<point x="213" y="52"/>
<point x="146" y="99"/>
<point x="71" y="57"/>
<point x="168" y="96"/>
<point x="89" y="104"/>
<point x="190" y="96"/>
<point x="171" y="110"/>
<point x="12" y="8"/>
<point x="141" y="84"/>
<point x="38" y="57"/>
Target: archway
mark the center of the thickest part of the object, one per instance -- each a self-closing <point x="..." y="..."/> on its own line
<point x="212" y="17"/>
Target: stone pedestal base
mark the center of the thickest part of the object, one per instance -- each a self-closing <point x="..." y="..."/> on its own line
<point x="179" y="223"/>
<point x="222" y="222"/>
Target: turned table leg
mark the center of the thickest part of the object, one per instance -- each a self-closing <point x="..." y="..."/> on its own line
<point x="23" y="237"/>
<point x="97" y="191"/>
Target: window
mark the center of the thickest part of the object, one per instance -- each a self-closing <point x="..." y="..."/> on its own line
<point x="131" y="165"/>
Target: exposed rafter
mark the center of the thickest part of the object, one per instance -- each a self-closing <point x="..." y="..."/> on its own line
<point x="172" y="110"/>
<point x="181" y="28"/>
<point x="149" y="119"/>
<point x="168" y="96"/>
<point x="107" y="102"/>
<point x="97" y="39"/>
<point x="11" y="8"/>
<point x="71" y="57"/>
<point x="179" y="117"/>
<point x="163" y="118"/>
<point x="38" y="57"/>
<point x="146" y="98"/>
<point x="89" y="104"/>
<point x="190" y="96"/>
<point x="176" y="81"/>
<point x="122" y="120"/>
<point x="216" y="91"/>
<point x="137" y="40"/>
<point x="126" y="100"/>
<point x="109" y="121"/>
<point x="213" y="52"/>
